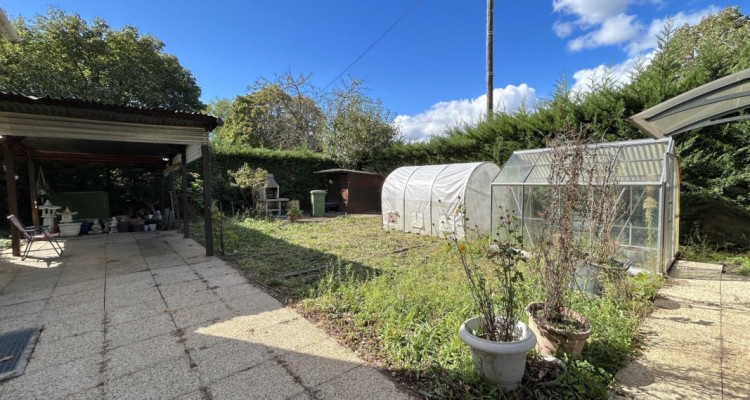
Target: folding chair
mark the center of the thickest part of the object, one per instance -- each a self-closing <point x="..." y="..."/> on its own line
<point x="36" y="233"/>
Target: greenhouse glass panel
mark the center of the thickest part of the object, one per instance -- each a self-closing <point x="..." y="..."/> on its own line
<point x="648" y="197"/>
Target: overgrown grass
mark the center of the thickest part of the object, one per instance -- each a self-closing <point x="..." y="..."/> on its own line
<point x="399" y="299"/>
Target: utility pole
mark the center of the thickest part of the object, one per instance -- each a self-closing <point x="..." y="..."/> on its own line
<point x="490" y="9"/>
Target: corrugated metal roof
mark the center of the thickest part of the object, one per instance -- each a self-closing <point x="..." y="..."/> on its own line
<point x="342" y="170"/>
<point x="639" y="161"/>
<point x="77" y="108"/>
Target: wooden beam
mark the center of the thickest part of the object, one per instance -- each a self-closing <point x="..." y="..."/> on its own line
<point x="105" y="160"/>
<point x="209" y="230"/>
<point x="32" y="188"/>
<point x="185" y="214"/>
<point x="10" y="184"/>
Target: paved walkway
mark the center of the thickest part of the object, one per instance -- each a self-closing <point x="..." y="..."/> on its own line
<point x="696" y="340"/>
<point x="147" y="315"/>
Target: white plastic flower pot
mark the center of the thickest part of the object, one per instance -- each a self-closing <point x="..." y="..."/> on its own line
<point x="500" y="362"/>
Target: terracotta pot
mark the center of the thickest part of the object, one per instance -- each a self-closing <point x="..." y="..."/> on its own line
<point x="292" y="218"/>
<point x="551" y="339"/>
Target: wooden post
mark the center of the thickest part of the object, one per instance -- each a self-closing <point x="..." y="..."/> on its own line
<point x="185" y="214"/>
<point x="209" y="230"/>
<point x="162" y="192"/>
<point x="10" y="184"/>
<point x="490" y="72"/>
<point x="32" y="188"/>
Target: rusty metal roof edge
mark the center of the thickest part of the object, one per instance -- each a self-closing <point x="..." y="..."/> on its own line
<point x="193" y="118"/>
<point x="325" y="171"/>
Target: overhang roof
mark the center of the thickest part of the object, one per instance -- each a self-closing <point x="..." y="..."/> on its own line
<point x="88" y="133"/>
<point x="76" y="108"/>
<point x="723" y="100"/>
<point x="343" y="171"/>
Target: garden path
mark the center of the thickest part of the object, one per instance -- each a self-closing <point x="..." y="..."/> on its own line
<point x="695" y="341"/>
<point x="147" y="315"/>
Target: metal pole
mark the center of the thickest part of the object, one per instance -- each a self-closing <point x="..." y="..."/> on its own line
<point x="490" y="73"/>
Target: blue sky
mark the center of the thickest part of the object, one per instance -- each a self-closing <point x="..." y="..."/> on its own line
<point x="430" y="68"/>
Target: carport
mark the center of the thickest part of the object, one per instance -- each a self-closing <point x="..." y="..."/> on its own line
<point x="81" y="132"/>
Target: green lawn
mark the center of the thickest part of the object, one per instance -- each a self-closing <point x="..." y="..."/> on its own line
<point x="399" y="299"/>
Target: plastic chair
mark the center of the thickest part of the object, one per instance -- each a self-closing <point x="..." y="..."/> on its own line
<point x="34" y="234"/>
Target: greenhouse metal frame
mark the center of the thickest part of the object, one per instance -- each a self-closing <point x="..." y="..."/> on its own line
<point x="646" y="230"/>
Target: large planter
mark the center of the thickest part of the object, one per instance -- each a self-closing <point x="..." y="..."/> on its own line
<point x="551" y="339"/>
<point x="501" y="362"/>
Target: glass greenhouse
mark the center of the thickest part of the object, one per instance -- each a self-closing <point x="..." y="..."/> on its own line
<point x="648" y="181"/>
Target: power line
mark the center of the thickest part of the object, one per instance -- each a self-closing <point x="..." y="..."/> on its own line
<point x="373" y="44"/>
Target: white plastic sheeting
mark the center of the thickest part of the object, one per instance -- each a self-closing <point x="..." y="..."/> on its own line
<point x="424" y="199"/>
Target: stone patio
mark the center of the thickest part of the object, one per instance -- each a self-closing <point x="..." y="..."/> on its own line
<point x="147" y="315"/>
<point x="696" y="339"/>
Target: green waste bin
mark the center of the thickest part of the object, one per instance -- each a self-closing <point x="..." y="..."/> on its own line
<point x="318" y="199"/>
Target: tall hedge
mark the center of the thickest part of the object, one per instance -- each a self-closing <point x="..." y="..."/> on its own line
<point x="292" y="170"/>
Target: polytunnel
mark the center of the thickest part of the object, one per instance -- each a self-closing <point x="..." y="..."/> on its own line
<point x="424" y="199"/>
<point x="648" y="181"/>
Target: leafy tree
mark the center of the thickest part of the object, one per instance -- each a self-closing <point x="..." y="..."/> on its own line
<point x="253" y="179"/>
<point x="219" y="107"/>
<point x="63" y="55"/>
<point x="357" y="126"/>
<point x="281" y="114"/>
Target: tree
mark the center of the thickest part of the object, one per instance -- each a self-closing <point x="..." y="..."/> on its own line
<point x="63" y="55"/>
<point x="357" y="126"/>
<point x="281" y="114"/>
<point x="219" y="107"/>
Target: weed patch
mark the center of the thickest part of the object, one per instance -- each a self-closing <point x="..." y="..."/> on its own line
<point x="399" y="299"/>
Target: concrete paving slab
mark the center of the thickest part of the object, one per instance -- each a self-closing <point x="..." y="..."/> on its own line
<point x="164" y="380"/>
<point x="80" y="286"/>
<point x="163" y="261"/>
<point x="253" y="304"/>
<point x="209" y="313"/>
<point x="49" y="352"/>
<point x="123" y="299"/>
<point x="267" y="381"/>
<point x="173" y="278"/>
<point x="243" y="290"/>
<point x="24" y="297"/>
<point x="55" y="382"/>
<point x="57" y="328"/>
<point x="29" y="307"/>
<point x="227" y="357"/>
<point x="226" y="280"/>
<point x="359" y="382"/>
<point x="136" y="356"/>
<point x="134" y="331"/>
<point x="141" y="310"/>
<point x="320" y="362"/>
<point x="183" y="299"/>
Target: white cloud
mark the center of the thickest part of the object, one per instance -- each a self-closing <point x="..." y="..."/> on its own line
<point x="647" y="40"/>
<point x="614" y="30"/>
<point x="436" y="119"/>
<point x="620" y="73"/>
<point x="562" y="29"/>
<point x="591" y="12"/>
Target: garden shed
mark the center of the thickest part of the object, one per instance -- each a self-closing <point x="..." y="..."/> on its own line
<point x="648" y="180"/>
<point x="424" y="199"/>
<point x="352" y="191"/>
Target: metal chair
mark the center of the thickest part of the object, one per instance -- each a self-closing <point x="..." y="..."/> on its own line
<point x="34" y="234"/>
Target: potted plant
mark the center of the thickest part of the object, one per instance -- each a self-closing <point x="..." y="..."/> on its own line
<point x="561" y="244"/>
<point x="293" y="211"/>
<point x="498" y="340"/>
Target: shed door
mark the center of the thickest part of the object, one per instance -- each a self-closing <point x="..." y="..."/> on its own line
<point x="343" y="182"/>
